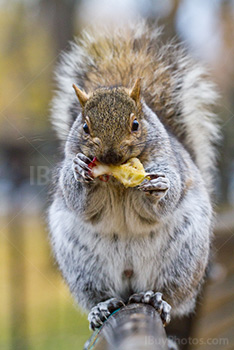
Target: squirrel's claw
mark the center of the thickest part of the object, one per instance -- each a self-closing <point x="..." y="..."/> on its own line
<point x="102" y="311"/>
<point x="81" y="169"/>
<point x="158" y="185"/>
<point x="155" y="300"/>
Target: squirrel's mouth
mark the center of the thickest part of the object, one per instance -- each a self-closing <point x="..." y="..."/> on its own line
<point x="111" y="158"/>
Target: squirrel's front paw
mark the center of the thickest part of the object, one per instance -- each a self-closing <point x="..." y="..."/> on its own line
<point x="81" y="168"/>
<point x="157" y="186"/>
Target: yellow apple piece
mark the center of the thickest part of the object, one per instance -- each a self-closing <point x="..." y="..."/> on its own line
<point x="130" y="174"/>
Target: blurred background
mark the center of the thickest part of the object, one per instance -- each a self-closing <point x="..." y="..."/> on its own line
<point x="36" y="310"/>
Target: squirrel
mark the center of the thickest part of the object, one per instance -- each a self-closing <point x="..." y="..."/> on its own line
<point x="135" y="97"/>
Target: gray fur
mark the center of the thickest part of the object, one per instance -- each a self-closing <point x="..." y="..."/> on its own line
<point x="99" y="230"/>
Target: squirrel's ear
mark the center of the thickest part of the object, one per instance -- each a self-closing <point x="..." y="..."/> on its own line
<point x="82" y="96"/>
<point x="134" y="93"/>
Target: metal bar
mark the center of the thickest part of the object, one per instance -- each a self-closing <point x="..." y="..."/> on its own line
<point x="133" y="327"/>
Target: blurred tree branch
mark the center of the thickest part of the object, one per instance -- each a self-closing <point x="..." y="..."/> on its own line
<point x="60" y="17"/>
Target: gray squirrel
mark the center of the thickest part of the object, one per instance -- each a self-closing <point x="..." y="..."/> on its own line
<point x="136" y="97"/>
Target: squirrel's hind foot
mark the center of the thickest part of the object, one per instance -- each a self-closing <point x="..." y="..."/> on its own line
<point x="155" y="300"/>
<point x="102" y="311"/>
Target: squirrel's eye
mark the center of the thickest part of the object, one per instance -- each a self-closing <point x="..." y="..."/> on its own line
<point x="86" y="128"/>
<point x="135" y="125"/>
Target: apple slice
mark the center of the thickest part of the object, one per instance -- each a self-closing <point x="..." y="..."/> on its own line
<point x="130" y="174"/>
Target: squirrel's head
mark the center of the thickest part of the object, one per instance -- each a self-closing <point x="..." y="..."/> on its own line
<point x="112" y="127"/>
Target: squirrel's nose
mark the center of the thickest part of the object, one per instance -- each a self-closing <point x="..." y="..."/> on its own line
<point x="111" y="157"/>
